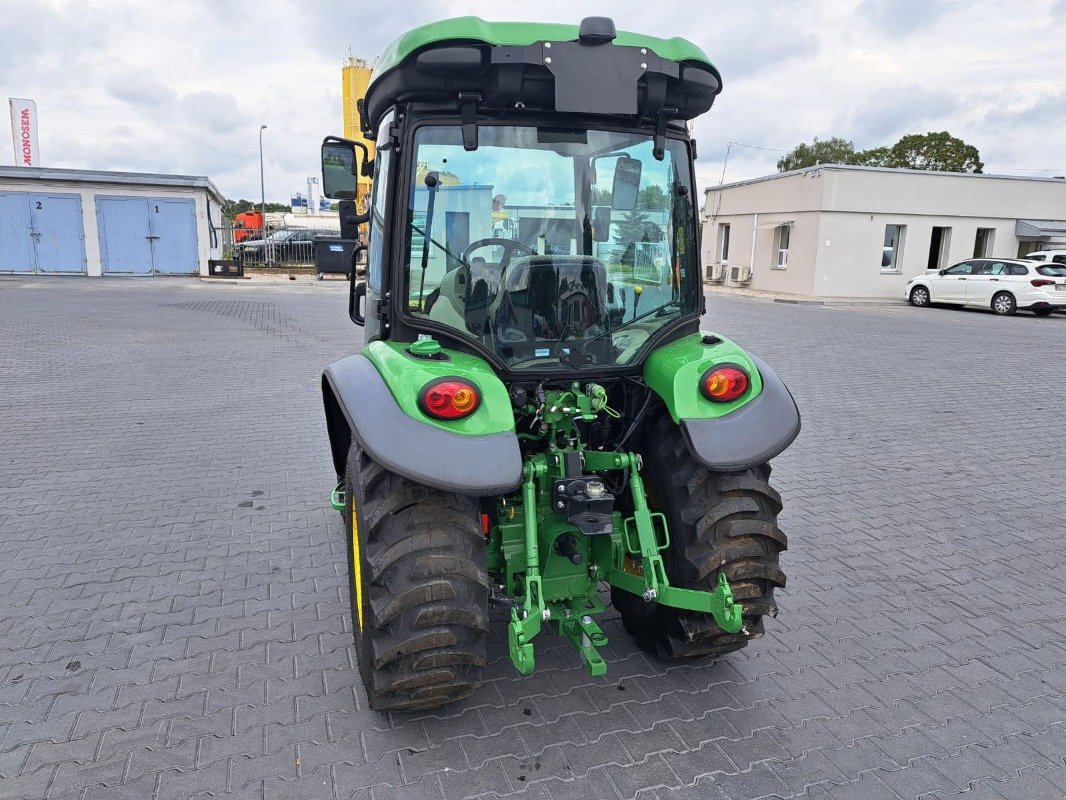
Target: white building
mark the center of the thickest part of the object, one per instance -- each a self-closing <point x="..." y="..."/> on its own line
<point x="843" y="231"/>
<point x="89" y="222"/>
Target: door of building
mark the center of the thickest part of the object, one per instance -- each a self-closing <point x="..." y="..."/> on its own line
<point x="147" y="235"/>
<point x="16" y="244"/>
<point x="58" y="233"/>
<point x="41" y="233"/>
<point x="173" y="225"/>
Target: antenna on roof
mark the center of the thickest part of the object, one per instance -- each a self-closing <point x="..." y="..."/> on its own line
<point x="725" y="162"/>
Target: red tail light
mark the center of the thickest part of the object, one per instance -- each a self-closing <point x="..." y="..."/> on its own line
<point x="449" y="398"/>
<point x="1042" y="282"/>
<point x="723" y="384"/>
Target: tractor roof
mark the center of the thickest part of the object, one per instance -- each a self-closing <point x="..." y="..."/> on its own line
<point x="581" y="69"/>
<point x="475" y="29"/>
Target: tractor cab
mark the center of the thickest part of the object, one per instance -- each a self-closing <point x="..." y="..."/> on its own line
<point x="533" y="199"/>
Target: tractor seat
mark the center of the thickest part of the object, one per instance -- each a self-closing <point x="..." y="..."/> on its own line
<point x="449" y="307"/>
<point x="545" y="297"/>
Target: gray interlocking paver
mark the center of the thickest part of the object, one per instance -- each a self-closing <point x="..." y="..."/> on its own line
<point x="175" y="622"/>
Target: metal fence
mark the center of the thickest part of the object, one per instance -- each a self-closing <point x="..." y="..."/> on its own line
<point x="281" y="247"/>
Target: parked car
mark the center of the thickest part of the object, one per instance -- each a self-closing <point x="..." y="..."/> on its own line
<point x="1004" y="285"/>
<point x="1047" y="256"/>
<point x="284" y="246"/>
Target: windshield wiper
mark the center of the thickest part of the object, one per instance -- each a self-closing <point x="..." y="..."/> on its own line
<point x="657" y="311"/>
<point x="577" y="358"/>
<point x="434" y="241"/>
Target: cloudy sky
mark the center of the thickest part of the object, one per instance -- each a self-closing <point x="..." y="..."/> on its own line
<point x="183" y="86"/>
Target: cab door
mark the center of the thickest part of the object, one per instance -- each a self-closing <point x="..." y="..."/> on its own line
<point x="985" y="282"/>
<point x="950" y="286"/>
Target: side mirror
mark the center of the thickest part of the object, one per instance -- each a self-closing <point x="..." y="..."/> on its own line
<point x="626" y="183"/>
<point x="341" y="167"/>
<point x="601" y="223"/>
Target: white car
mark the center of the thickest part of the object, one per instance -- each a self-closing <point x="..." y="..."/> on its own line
<point x="1045" y="256"/>
<point x="1004" y="285"/>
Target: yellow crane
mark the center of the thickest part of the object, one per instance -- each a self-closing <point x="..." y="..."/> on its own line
<point x="355" y="77"/>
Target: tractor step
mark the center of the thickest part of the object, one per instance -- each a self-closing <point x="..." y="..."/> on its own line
<point x="338" y="499"/>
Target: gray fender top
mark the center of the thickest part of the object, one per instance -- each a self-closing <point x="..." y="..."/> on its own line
<point x="472" y="465"/>
<point x="749" y="436"/>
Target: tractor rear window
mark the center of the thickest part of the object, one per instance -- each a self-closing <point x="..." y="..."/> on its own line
<point x="551" y="246"/>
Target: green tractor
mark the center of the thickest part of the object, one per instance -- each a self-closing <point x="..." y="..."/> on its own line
<point x="536" y="414"/>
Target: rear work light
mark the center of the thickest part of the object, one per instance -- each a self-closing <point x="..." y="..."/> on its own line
<point x="1042" y="282"/>
<point x="449" y="398"/>
<point x="723" y="384"/>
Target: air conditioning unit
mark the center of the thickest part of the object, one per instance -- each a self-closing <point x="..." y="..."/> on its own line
<point x="716" y="273"/>
<point x="740" y="274"/>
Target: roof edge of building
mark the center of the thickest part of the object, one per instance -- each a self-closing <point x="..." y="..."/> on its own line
<point x="107" y="176"/>
<point x="894" y="170"/>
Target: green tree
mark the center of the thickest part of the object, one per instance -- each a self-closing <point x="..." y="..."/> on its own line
<point x="231" y="208"/>
<point x="601" y="196"/>
<point x="938" y="151"/>
<point x="632" y="228"/>
<point x="652" y="198"/>
<point x="874" y="157"/>
<point x="828" y="151"/>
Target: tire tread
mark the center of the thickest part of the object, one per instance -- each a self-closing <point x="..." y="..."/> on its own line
<point x="425" y="589"/>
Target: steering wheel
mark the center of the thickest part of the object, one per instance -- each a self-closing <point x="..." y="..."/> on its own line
<point x="509" y="247"/>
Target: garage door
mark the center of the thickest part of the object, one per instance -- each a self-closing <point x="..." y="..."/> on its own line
<point x="41" y="233"/>
<point x="147" y="235"/>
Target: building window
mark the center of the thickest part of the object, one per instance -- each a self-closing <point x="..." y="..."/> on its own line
<point x="1025" y="248"/>
<point x="892" y="248"/>
<point x="723" y="242"/>
<point x="782" y="233"/>
<point x="982" y="243"/>
<point x="939" y="245"/>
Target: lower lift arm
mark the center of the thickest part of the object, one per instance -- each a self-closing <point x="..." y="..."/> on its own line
<point x="654" y="584"/>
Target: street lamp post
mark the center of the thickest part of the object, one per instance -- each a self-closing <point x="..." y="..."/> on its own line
<point x="262" y="196"/>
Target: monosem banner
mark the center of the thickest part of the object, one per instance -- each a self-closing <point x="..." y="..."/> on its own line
<point x="24" y="132"/>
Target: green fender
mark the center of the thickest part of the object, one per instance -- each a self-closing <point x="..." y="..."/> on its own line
<point x="724" y="437"/>
<point x="373" y="397"/>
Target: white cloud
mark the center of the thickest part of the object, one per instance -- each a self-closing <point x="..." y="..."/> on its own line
<point x="183" y="87"/>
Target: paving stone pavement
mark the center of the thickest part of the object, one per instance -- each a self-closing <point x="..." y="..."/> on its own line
<point x="173" y="621"/>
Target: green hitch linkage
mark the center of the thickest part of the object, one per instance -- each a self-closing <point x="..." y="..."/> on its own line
<point x="654" y="584"/>
<point x="522" y="629"/>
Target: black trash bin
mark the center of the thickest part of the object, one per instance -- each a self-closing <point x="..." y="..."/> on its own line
<point x="333" y="255"/>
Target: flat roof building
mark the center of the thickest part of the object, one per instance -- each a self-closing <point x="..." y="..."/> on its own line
<point x="91" y="222"/>
<point x="844" y="231"/>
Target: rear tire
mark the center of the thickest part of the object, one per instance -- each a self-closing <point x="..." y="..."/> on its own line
<point x="1043" y="312"/>
<point x="1004" y="304"/>
<point x="717" y="521"/>
<point x="422" y="590"/>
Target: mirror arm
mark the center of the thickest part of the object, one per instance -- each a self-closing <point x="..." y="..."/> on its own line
<point x="659" y="144"/>
<point x="468" y="109"/>
<point x="366" y="156"/>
